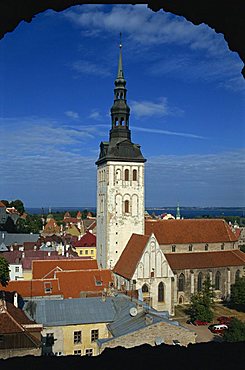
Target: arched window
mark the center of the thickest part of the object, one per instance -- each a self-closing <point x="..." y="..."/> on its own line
<point x="126" y="206"/>
<point x="217" y="281"/>
<point x="237" y="276"/>
<point x="134" y="175"/>
<point x="161" y="292"/>
<point x="145" y="288"/>
<point x="126" y="175"/>
<point x="181" y="283"/>
<point x="199" y="282"/>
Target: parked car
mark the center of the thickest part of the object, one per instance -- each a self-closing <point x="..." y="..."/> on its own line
<point x="218" y="328"/>
<point x="224" y="320"/>
<point x="200" y="322"/>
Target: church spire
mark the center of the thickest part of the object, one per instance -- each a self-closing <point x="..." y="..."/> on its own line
<point x="120" y="111"/>
<point x="120" y="65"/>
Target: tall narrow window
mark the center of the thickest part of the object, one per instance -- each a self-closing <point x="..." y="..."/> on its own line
<point x="237" y="275"/>
<point x="181" y="283"/>
<point x="217" y="281"/>
<point x="94" y="335"/>
<point x="126" y="206"/>
<point x="126" y="175"/>
<point x="77" y="338"/>
<point x="161" y="292"/>
<point x="145" y="288"/>
<point x="134" y="175"/>
<point x="199" y="282"/>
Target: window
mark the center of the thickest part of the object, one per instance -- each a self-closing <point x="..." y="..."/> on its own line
<point x="77" y="352"/>
<point x="86" y="251"/>
<point x="89" y="352"/>
<point x="222" y="246"/>
<point x="81" y="252"/>
<point x="206" y="247"/>
<point x="126" y="206"/>
<point x="94" y="335"/>
<point x="92" y="251"/>
<point x="161" y="292"/>
<point x="126" y="175"/>
<point x="77" y="337"/>
<point x="17" y="269"/>
<point x="181" y="283"/>
<point x="173" y="248"/>
<point x="145" y="288"/>
<point x="134" y="175"/>
<point x="48" y="288"/>
<point x="190" y="247"/>
<point x="1" y="338"/>
<point x="58" y="353"/>
<point x="217" y="281"/>
<point x="237" y="276"/>
<point x="199" y="282"/>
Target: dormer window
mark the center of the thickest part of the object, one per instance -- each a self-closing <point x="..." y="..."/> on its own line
<point x="173" y="248"/>
<point x="47" y="288"/>
<point x="206" y="247"/>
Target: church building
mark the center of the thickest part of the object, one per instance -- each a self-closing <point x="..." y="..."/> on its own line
<point x="120" y="182"/>
<point x="165" y="261"/>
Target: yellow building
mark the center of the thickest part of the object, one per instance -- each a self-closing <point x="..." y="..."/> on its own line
<point x="86" y="246"/>
<point x="86" y="252"/>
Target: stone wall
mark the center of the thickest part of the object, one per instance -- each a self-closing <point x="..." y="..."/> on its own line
<point x="161" y="331"/>
<point x="8" y="353"/>
<point x="199" y="247"/>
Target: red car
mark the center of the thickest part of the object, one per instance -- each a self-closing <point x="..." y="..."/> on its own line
<point x="199" y="322"/>
<point x="224" y="320"/>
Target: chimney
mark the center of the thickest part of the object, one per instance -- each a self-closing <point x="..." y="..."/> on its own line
<point x="16" y="299"/>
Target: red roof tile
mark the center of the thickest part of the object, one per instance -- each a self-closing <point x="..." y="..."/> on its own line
<point x="200" y="260"/>
<point x="87" y="240"/>
<point x="85" y="281"/>
<point x="131" y="255"/>
<point x="47" y="268"/>
<point x="33" y="288"/>
<point x="190" y="231"/>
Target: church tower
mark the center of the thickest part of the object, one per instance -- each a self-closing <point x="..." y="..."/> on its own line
<point x="120" y="182"/>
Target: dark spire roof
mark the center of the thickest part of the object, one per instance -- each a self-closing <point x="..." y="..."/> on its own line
<point x="120" y="146"/>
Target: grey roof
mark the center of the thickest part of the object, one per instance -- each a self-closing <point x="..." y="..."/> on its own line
<point x="3" y="248"/>
<point x="9" y="239"/>
<point x="71" y="311"/>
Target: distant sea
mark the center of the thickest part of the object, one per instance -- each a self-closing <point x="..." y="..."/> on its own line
<point x="186" y="212"/>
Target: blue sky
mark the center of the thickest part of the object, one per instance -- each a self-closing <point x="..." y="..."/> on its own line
<point x="185" y="91"/>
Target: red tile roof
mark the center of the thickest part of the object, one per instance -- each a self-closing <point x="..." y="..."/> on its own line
<point x="12" y="318"/>
<point x="72" y="220"/>
<point x="33" y="288"/>
<point x="131" y="255"/>
<point x="67" y="214"/>
<point x="47" y="268"/>
<point x="201" y="260"/>
<point x="87" y="240"/>
<point x="85" y="281"/>
<point x="190" y="231"/>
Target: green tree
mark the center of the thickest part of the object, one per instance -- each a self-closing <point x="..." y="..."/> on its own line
<point x="237" y="298"/>
<point x="32" y="224"/>
<point x="18" y="204"/>
<point x="4" y="271"/>
<point x="235" y="332"/>
<point x="202" y="303"/>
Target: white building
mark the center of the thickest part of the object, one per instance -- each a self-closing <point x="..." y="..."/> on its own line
<point x="120" y="182"/>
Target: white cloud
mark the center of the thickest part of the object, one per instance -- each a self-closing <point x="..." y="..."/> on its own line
<point x="165" y="132"/>
<point x="95" y="114"/>
<point x="147" y="27"/>
<point x="71" y="114"/>
<point x="90" y="68"/>
<point x="150" y="109"/>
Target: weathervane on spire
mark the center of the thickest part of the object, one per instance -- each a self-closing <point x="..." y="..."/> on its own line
<point x="120" y="45"/>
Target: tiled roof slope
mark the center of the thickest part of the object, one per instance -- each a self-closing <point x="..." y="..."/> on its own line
<point x="130" y="256"/>
<point x="87" y="240"/>
<point x="200" y="260"/>
<point x="190" y="231"/>
<point x="86" y="281"/>
<point x="47" y="268"/>
<point x="33" y="288"/>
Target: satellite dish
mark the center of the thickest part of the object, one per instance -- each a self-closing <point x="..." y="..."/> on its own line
<point x="133" y="311"/>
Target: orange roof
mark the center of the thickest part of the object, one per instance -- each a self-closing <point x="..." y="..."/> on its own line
<point x="33" y="288"/>
<point x="131" y="255"/>
<point x="85" y="281"/>
<point x="201" y="260"/>
<point x="51" y="227"/>
<point x="190" y="231"/>
<point x="47" y="268"/>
